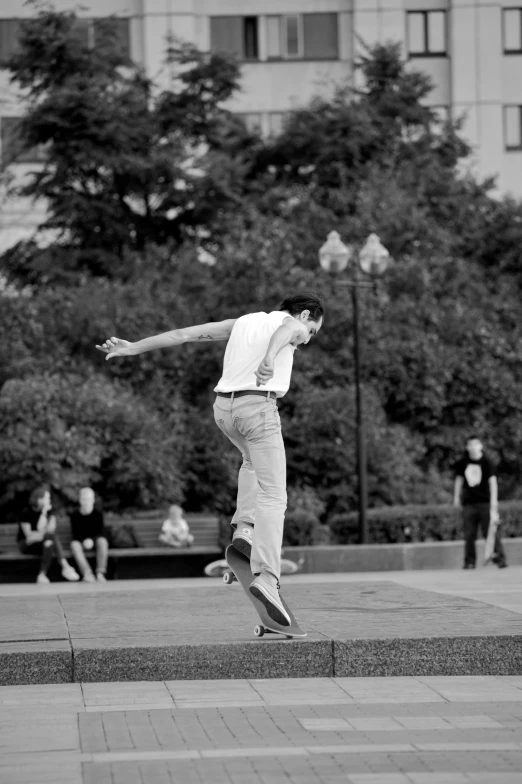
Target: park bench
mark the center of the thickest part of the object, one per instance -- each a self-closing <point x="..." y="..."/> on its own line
<point x="151" y="560"/>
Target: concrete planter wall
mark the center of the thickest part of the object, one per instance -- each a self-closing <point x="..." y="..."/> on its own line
<point x="392" y="557"/>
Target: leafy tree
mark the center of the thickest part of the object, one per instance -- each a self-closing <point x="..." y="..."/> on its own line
<point x="440" y="336"/>
<point x="127" y="164"/>
<point x="70" y="431"/>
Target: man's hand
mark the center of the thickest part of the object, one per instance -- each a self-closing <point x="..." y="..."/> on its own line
<point x="116" y="347"/>
<point x="264" y="372"/>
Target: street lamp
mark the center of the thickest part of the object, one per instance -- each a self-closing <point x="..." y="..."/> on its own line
<point x="373" y="260"/>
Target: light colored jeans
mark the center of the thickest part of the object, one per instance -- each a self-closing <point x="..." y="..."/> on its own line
<point x="252" y="423"/>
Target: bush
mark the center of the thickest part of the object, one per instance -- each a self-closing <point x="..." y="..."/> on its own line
<point x="417" y="523"/>
<point x="70" y="431"/>
<point x="303" y="528"/>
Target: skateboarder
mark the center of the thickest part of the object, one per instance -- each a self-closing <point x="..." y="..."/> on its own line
<point x="256" y="372"/>
<point x="476" y="490"/>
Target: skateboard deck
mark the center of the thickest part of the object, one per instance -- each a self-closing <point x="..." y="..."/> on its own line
<point x="489" y="546"/>
<point x="240" y="566"/>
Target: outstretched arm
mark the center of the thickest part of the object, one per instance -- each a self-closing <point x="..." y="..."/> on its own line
<point x="216" y="330"/>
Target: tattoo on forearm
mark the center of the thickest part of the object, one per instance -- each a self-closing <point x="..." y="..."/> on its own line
<point x="205" y="337"/>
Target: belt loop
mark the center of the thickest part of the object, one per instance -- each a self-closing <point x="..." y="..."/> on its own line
<point x="232" y="399"/>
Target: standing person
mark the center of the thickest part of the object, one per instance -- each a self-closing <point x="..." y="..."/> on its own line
<point x="476" y="490"/>
<point x="88" y="531"/>
<point x="37" y="536"/>
<point x="259" y="353"/>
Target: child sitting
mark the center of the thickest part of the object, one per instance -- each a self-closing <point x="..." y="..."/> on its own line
<point x="175" y="531"/>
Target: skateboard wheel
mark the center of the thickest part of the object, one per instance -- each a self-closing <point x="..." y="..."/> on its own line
<point x="228" y="578"/>
<point x="259" y="631"/>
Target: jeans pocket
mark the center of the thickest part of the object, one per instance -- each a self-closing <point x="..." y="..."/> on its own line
<point x="251" y="427"/>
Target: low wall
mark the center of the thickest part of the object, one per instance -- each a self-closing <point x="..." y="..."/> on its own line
<point x="392" y="557"/>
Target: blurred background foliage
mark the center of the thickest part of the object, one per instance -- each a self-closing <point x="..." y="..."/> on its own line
<point x="165" y="211"/>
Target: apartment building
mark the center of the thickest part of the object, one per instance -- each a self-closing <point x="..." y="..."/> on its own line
<point x="293" y="49"/>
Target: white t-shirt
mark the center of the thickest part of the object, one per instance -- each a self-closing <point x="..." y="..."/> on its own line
<point x="246" y="350"/>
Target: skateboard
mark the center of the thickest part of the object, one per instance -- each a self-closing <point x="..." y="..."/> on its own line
<point x="489" y="546"/>
<point x="221" y="569"/>
<point x="240" y="567"/>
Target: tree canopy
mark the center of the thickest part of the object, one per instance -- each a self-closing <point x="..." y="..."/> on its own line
<point x="168" y="212"/>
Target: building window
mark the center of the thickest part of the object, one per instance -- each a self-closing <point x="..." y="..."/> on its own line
<point x="513" y="127"/>
<point x="12" y="151"/>
<point x="298" y="36"/>
<point x="293" y="36"/>
<point x="442" y="113"/>
<point x="512" y="30"/>
<point x="235" y="35"/>
<point x="274" y="42"/>
<point x="9" y="33"/>
<point x="93" y="31"/>
<point x="252" y="120"/>
<point x="426" y="33"/>
<point x="276" y="122"/>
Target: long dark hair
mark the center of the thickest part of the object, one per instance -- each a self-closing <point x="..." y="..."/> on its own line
<point x="38" y="493"/>
<point x="304" y="300"/>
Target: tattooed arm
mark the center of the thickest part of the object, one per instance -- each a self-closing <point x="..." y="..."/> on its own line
<point x="215" y="330"/>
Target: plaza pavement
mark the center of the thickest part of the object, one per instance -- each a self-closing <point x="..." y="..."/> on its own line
<point x="251" y="730"/>
<point x="407" y="730"/>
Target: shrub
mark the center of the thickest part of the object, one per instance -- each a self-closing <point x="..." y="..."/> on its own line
<point x="303" y="528"/>
<point x="417" y="523"/>
<point x="69" y="431"/>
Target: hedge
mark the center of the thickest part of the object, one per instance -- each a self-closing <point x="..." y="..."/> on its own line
<point x="417" y="523"/>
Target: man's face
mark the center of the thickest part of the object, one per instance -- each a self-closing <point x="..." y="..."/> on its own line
<point x="474" y="447"/>
<point x="313" y="327"/>
<point x="87" y="499"/>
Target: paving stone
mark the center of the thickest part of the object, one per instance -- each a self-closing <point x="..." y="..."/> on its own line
<point x="38" y="694"/>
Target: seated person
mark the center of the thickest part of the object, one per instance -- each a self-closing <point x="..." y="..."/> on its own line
<point x="88" y="531"/>
<point x="175" y="531"/>
<point x="37" y="536"/>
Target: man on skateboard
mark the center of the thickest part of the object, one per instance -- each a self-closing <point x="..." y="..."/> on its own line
<point x="259" y="353"/>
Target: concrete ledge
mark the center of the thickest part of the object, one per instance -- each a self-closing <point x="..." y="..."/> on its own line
<point x="35" y="662"/>
<point x="433" y="656"/>
<point x="184" y="633"/>
<point x="266" y="658"/>
<point x="391" y="557"/>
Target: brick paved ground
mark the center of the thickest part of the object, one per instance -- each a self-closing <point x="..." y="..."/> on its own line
<point x="425" y="730"/>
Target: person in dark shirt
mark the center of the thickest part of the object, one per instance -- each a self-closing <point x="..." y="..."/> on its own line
<point x="88" y="532"/>
<point x="476" y="491"/>
<point x="37" y="536"/>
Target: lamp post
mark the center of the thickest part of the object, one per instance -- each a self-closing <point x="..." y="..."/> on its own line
<point x="373" y="260"/>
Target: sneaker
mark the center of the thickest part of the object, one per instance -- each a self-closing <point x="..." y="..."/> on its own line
<point x="242" y="540"/>
<point x="100" y="577"/>
<point x="42" y="579"/>
<point x="70" y="574"/>
<point x="268" y="594"/>
<point x="469" y="566"/>
<point x="502" y="565"/>
<point x="89" y="578"/>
